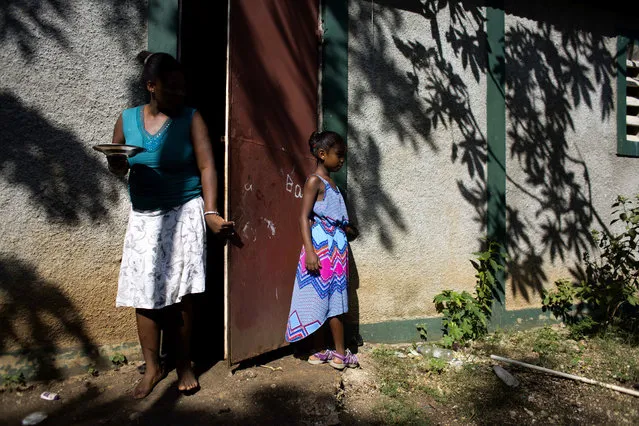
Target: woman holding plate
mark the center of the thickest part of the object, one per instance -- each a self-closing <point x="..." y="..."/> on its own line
<point x="173" y="190"/>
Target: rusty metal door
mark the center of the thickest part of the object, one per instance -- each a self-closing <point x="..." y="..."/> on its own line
<point x="272" y="100"/>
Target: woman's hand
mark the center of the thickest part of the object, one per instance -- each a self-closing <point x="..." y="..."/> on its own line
<point x="312" y="262"/>
<point x="118" y="164"/>
<point x="219" y="225"/>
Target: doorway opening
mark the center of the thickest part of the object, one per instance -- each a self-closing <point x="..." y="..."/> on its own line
<point x="202" y="52"/>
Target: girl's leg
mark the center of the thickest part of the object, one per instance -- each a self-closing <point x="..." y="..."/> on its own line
<point x="316" y="343"/>
<point x="149" y="334"/>
<point x="337" y="330"/>
<point x="186" y="377"/>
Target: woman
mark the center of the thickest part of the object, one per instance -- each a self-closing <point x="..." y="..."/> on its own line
<point x="173" y="190"/>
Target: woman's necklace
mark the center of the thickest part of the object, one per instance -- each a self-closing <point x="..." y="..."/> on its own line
<point x="153" y="142"/>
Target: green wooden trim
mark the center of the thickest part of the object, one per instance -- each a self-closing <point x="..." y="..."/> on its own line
<point x="334" y="90"/>
<point x="527" y="318"/>
<point x="403" y="331"/>
<point x="400" y="331"/>
<point x="496" y="135"/>
<point x="56" y="363"/>
<point x="163" y="21"/>
<point x="624" y="146"/>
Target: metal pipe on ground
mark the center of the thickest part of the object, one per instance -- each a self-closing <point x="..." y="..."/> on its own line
<point x="566" y="375"/>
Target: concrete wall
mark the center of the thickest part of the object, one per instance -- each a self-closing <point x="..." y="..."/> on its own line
<point x="417" y="146"/>
<point x="417" y="149"/>
<point x="68" y="69"/>
<point x="563" y="171"/>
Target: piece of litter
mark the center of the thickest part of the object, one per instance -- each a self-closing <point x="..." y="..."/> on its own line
<point x="400" y="355"/>
<point x="34" y="418"/>
<point x="456" y="362"/>
<point x="50" y="396"/>
<point x="505" y="376"/>
<point x="272" y="368"/>
<point x="442" y="353"/>
<point x="413" y="353"/>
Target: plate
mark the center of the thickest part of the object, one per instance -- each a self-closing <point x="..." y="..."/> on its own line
<point x="118" y="149"/>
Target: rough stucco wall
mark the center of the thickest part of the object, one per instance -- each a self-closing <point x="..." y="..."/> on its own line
<point x="563" y="171"/>
<point x="68" y="70"/>
<point x="416" y="161"/>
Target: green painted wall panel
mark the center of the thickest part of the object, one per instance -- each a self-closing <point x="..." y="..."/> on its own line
<point x="496" y="135"/>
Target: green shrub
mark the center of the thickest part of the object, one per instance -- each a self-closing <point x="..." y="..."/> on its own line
<point x="466" y="316"/>
<point x="611" y="279"/>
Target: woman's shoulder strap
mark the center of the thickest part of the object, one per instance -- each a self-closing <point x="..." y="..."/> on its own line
<point x="131" y="113"/>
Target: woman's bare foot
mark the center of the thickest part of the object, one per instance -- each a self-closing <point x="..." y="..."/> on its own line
<point x="186" y="378"/>
<point x="151" y="378"/>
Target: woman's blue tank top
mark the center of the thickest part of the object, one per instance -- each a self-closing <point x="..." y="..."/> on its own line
<point x="166" y="175"/>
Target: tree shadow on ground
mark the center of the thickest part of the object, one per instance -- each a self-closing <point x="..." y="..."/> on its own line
<point x="546" y="83"/>
<point x="33" y="313"/>
<point x="285" y="404"/>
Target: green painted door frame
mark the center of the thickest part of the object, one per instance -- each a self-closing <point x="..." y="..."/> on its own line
<point x="164" y="26"/>
<point x="334" y="72"/>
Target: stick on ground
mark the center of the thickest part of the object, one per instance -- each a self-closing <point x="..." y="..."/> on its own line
<point x="566" y="375"/>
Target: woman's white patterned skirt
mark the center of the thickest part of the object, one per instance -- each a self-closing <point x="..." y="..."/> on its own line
<point x="164" y="256"/>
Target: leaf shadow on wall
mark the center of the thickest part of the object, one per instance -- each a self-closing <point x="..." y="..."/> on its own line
<point x="545" y="85"/>
<point x="33" y="313"/>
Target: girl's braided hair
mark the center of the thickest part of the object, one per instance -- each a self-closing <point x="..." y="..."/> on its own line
<point x="323" y="140"/>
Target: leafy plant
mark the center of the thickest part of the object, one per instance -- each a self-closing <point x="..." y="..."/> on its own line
<point x="118" y="359"/>
<point x="463" y="317"/>
<point x="488" y="265"/>
<point x="611" y="280"/>
<point x="92" y="371"/>
<point x="466" y="316"/>
<point x="546" y="342"/>
<point x="436" y="365"/>
<point x="583" y="327"/>
<point x="560" y="300"/>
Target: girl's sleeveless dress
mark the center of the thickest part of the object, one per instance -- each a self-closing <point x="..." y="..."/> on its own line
<point x="317" y="297"/>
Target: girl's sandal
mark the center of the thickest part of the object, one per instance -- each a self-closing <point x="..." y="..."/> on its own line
<point x="348" y="360"/>
<point x="321" y="357"/>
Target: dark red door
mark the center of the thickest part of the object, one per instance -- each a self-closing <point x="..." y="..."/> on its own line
<point x="273" y="85"/>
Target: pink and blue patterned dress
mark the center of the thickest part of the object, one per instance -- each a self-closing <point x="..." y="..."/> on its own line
<point x="317" y="297"/>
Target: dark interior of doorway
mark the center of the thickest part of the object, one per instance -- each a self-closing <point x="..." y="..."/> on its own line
<point x="203" y="34"/>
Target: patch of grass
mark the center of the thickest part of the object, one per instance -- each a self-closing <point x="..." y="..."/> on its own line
<point x="12" y="382"/>
<point x="617" y="358"/>
<point x="546" y="342"/>
<point x="394" y="377"/>
<point x="401" y="412"/>
<point x="436" y="394"/>
<point x="474" y="394"/>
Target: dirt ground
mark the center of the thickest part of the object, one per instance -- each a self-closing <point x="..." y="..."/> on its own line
<point x="282" y="391"/>
<point x="393" y="386"/>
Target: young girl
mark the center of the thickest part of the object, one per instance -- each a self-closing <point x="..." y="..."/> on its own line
<point x="172" y="186"/>
<point x="320" y="291"/>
